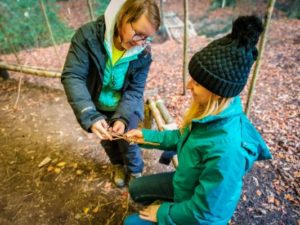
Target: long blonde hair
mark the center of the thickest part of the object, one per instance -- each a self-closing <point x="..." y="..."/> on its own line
<point x="132" y="10"/>
<point x="214" y="106"/>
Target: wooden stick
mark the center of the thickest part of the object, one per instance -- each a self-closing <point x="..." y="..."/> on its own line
<point x="260" y="53"/>
<point x="90" y="6"/>
<point x="185" y="46"/>
<point x="43" y="8"/>
<point x="18" y="94"/>
<point x="130" y="140"/>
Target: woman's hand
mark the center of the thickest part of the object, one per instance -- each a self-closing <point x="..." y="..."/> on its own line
<point x="149" y="213"/>
<point x="100" y="129"/>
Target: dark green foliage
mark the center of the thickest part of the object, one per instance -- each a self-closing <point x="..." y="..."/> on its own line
<point x="291" y="8"/>
<point x="23" y="25"/>
<point x="100" y="7"/>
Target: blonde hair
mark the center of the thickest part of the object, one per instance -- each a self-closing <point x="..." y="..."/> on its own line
<point x="132" y="10"/>
<point x="214" y="106"/>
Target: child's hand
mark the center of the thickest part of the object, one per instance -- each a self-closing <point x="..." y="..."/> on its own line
<point x="118" y="127"/>
<point x="100" y="129"/>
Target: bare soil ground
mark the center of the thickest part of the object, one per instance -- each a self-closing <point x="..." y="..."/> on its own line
<point x="74" y="187"/>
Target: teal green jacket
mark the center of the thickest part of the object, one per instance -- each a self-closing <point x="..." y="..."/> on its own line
<point x="214" y="155"/>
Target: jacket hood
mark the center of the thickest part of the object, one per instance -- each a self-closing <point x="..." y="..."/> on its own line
<point x="110" y="20"/>
<point x="110" y="16"/>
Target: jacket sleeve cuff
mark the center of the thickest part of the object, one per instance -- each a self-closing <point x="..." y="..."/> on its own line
<point x="88" y="118"/>
<point x="111" y="121"/>
<point x="163" y="217"/>
<point x="117" y="116"/>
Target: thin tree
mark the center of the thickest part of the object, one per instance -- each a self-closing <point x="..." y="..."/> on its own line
<point x="49" y="29"/>
<point x="261" y="51"/>
<point x="185" y="45"/>
<point x="90" y="5"/>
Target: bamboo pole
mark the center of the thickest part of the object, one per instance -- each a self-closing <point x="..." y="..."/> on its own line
<point x="185" y="45"/>
<point x="50" y="30"/>
<point x="164" y="111"/>
<point x="90" y="6"/>
<point x="261" y="51"/>
<point x="29" y="70"/>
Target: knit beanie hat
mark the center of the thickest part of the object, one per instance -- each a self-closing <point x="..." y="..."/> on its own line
<point x="223" y="66"/>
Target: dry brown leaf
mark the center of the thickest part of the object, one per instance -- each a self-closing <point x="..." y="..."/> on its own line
<point x="95" y="210"/>
<point x="86" y="210"/>
<point x="50" y="168"/>
<point x="79" y="172"/>
<point x="57" y="170"/>
<point x="61" y="164"/>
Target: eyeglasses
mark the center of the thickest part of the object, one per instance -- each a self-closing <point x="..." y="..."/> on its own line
<point x="139" y="37"/>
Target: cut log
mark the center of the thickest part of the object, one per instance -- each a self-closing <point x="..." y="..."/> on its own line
<point x="156" y="114"/>
<point x="164" y="111"/>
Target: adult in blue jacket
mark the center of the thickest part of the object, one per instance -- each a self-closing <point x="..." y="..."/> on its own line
<point x="104" y="77"/>
<point x="216" y="144"/>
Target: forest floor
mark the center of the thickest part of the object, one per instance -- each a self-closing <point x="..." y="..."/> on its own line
<point x="74" y="186"/>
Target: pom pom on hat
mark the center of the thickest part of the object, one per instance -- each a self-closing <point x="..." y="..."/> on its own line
<point x="223" y="66"/>
<point x="246" y="29"/>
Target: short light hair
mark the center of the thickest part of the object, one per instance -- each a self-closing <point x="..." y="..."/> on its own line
<point x="132" y="10"/>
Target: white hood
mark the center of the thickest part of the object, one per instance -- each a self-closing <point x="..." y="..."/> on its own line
<point x="110" y="21"/>
<point x="110" y="16"/>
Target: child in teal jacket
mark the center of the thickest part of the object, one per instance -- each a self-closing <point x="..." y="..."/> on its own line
<point x="216" y="145"/>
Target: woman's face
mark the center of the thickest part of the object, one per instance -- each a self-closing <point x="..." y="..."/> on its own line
<point x="200" y="94"/>
<point x="136" y="33"/>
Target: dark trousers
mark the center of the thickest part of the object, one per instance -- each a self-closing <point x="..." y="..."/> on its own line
<point x="121" y="152"/>
<point x="147" y="189"/>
